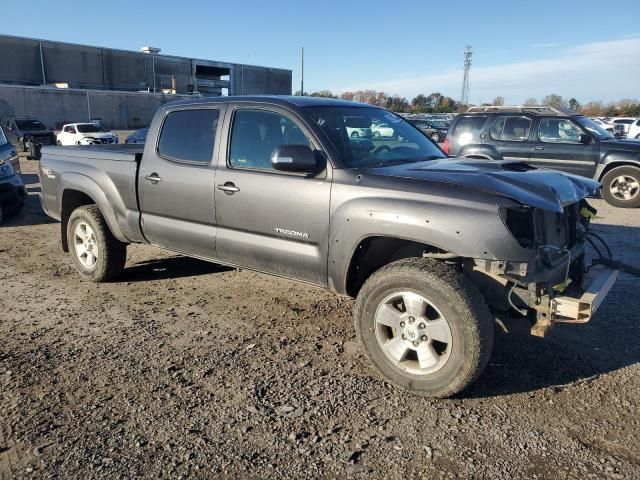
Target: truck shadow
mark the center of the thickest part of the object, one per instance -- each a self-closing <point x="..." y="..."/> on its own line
<point x="169" y="268"/>
<point x="571" y="353"/>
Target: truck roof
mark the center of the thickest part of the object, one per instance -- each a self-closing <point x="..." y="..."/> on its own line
<point x="298" y="101"/>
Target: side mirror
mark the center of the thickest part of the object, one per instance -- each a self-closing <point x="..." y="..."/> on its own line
<point x="294" y="158"/>
<point x="584" y="139"/>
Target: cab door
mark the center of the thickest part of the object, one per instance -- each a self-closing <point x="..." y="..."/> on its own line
<point x="557" y="146"/>
<point x="176" y="181"/>
<point x="269" y="220"/>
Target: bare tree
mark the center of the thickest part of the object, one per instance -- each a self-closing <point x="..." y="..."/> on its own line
<point x="530" y="102"/>
<point x="498" y="101"/>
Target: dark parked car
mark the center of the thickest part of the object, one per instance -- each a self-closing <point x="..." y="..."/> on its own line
<point x="12" y="191"/>
<point x="22" y="130"/>
<point x="276" y="184"/>
<point x="436" y="131"/>
<point x="139" y="136"/>
<point x="551" y="138"/>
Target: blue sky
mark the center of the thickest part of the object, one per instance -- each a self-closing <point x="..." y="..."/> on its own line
<point x="521" y="49"/>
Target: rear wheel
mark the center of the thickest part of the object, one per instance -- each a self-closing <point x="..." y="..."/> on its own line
<point x="96" y="253"/>
<point x="621" y="187"/>
<point x="424" y="326"/>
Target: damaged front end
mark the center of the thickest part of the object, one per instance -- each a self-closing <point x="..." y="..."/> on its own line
<point x="551" y="286"/>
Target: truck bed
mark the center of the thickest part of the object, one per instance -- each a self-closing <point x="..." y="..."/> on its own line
<point x="123" y="153"/>
<point x="105" y="173"/>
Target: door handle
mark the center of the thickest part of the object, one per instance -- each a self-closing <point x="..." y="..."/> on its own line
<point x="538" y="148"/>
<point x="229" y="188"/>
<point x="153" y="178"/>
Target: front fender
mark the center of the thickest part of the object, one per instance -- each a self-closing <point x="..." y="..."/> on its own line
<point x="462" y="226"/>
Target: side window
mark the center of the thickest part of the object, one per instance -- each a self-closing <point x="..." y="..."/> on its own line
<point x="256" y="133"/>
<point x="72" y="130"/>
<point x="3" y="139"/>
<point x="558" y="130"/>
<point x="189" y="135"/>
<point x="469" y="126"/>
<point x="510" y="128"/>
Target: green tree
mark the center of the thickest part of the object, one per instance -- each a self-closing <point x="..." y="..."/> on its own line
<point x="323" y="93"/>
<point x="553" y="100"/>
<point x="574" y="104"/>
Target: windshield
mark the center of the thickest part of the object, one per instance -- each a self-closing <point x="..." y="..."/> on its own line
<point x="89" y="128"/>
<point x="392" y="140"/>
<point x="30" y="125"/>
<point x="593" y="128"/>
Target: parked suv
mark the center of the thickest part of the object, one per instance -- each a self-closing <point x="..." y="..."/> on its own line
<point x="551" y="138"/>
<point x="85" y="134"/>
<point x="22" y="130"/>
<point x="12" y="191"/>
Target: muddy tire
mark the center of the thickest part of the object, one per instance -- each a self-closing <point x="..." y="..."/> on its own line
<point x="621" y="187"/>
<point x="96" y="253"/>
<point x="425" y="326"/>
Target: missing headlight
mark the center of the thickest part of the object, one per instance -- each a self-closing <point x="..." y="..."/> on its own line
<point x="520" y="222"/>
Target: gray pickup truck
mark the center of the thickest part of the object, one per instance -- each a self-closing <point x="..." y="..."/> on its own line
<point x="425" y="243"/>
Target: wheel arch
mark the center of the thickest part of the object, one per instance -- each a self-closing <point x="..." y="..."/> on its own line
<point x="376" y="251"/>
<point x="615" y="164"/>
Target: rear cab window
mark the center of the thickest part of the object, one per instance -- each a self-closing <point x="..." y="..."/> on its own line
<point x="468" y="127"/>
<point x="189" y="135"/>
<point x="511" y="128"/>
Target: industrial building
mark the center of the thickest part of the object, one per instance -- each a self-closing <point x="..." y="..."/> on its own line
<point x="62" y="82"/>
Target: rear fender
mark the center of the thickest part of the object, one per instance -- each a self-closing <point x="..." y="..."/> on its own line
<point x="108" y="207"/>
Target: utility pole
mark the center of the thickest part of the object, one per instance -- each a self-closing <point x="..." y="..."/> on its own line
<point x="464" y="97"/>
<point x="302" y="70"/>
<point x="153" y="51"/>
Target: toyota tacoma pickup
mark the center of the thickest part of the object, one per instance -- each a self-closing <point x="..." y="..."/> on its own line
<point x="428" y="245"/>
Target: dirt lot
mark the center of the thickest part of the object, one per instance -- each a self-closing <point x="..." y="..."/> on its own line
<point x="187" y="369"/>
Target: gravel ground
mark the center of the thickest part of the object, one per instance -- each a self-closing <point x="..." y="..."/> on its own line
<point x="187" y="369"/>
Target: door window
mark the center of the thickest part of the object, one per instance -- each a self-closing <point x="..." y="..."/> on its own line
<point x="189" y="135"/>
<point x="558" y="130"/>
<point x="509" y="128"/>
<point x="256" y="133"/>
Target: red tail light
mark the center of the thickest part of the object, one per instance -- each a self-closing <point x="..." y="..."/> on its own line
<point x="445" y="147"/>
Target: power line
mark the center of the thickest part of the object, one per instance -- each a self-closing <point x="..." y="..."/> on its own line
<point x="464" y="97"/>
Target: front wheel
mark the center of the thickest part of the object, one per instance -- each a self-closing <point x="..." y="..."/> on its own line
<point x="621" y="187"/>
<point x="96" y="253"/>
<point x="424" y="326"/>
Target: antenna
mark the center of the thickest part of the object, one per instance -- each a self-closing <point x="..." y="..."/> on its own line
<point x="464" y="97"/>
<point x="302" y="69"/>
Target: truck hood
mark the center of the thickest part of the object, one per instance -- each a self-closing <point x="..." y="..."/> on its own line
<point x="538" y="188"/>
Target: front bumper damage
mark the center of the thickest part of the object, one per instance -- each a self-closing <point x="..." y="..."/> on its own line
<point x="574" y="300"/>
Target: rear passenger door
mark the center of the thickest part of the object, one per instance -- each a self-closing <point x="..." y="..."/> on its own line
<point x="510" y="137"/>
<point x="269" y="220"/>
<point x="557" y="147"/>
<point x="176" y="182"/>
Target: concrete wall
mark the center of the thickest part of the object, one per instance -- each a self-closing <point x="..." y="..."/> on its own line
<point x="87" y="67"/>
<point x="54" y="107"/>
